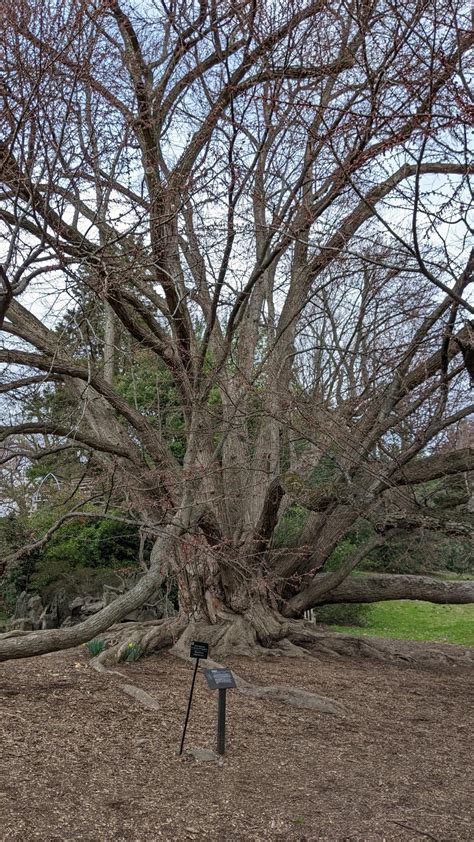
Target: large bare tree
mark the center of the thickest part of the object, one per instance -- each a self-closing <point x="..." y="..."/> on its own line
<point x="268" y="200"/>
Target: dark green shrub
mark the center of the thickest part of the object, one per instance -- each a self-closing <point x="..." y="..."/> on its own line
<point x="343" y="614"/>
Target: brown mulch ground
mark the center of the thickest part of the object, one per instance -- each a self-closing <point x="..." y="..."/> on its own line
<point x="80" y="760"/>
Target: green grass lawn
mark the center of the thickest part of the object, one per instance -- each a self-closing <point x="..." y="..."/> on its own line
<point x="413" y="620"/>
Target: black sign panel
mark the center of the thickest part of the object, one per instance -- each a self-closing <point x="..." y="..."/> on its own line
<point x="199" y="650"/>
<point x="219" y="679"/>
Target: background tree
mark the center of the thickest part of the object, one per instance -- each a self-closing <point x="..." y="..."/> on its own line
<point x="270" y="200"/>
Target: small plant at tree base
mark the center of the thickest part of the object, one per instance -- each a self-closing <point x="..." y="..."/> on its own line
<point x="95" y="647"/>
<point x="132" y="652"/>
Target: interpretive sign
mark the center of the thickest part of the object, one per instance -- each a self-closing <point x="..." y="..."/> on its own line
<point x="220" y="679"/>
<point x="199" y="649"/>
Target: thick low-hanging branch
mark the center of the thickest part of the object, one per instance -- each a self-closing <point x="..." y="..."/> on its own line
<point x="324" y="583"/>
<point x="387" y="586"/>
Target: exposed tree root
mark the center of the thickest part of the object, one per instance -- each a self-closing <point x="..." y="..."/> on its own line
<point x="381" y="649"/>
<point x="140" y="639"/>
<point x="255" y="633"/>
<point x="253" y="636"/>
<point x="240" y="635"/>
<point x="294" y="696"/>
<point x="141" y="696"/>
<point x="236" y="637"/>
<point x="258" y="632"/>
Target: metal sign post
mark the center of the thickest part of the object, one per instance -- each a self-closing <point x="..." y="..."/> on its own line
<point x="221" y="680"/>
<point x="221" y="722"/>
<point x="198" y="650"/>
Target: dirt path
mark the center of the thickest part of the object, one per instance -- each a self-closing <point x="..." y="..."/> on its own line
<point x="81" y="761"/>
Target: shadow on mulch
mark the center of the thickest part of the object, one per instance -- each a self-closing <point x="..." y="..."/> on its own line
<point x="80" y="760"/>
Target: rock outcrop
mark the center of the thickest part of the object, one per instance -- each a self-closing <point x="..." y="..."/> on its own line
<point x="31" y="613"/>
